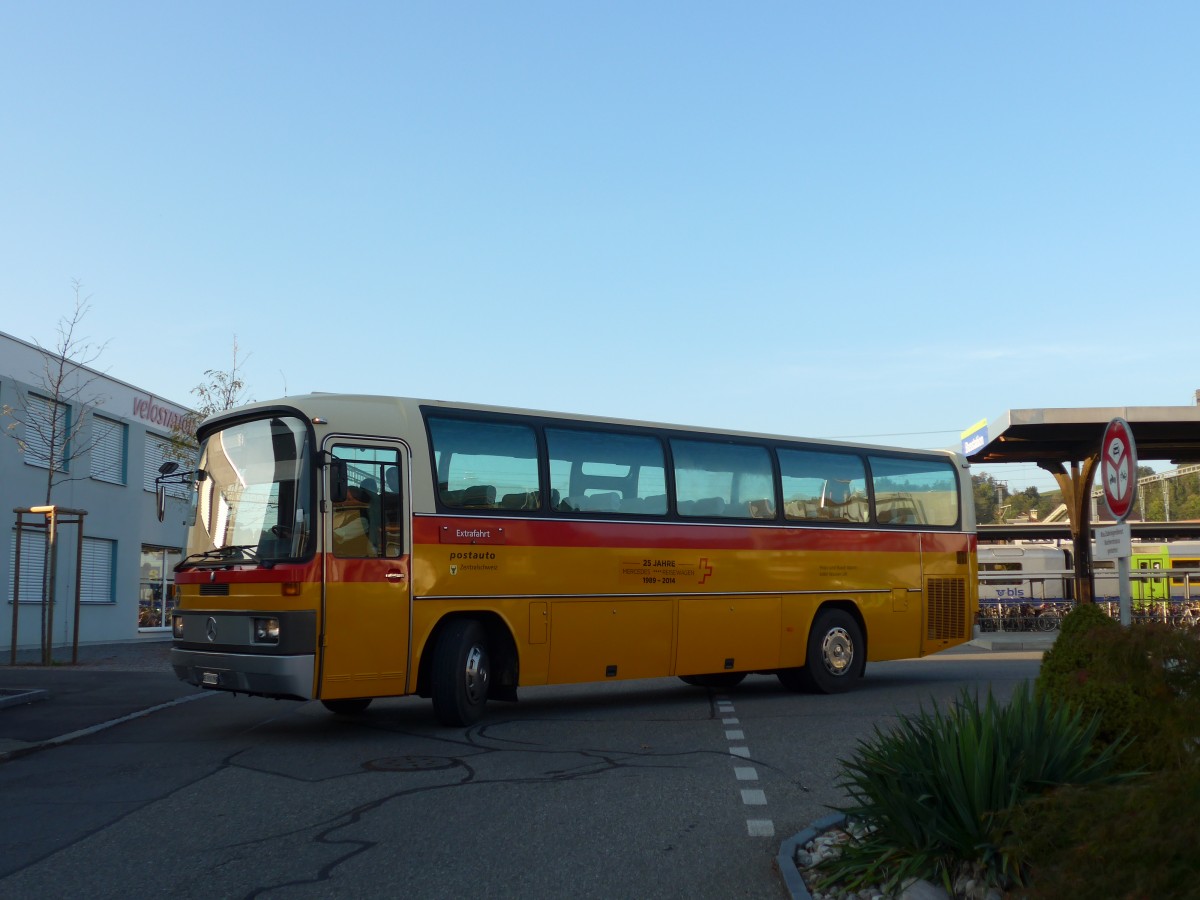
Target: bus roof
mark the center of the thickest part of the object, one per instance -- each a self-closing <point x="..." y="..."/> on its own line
<point x="358" y="412"/>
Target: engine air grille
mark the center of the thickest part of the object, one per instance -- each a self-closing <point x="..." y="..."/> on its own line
<point x="947" y="608"/>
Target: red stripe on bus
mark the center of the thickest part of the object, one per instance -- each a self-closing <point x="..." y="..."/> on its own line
<point x="372" y="570"/>
<point x="252" y="574"/>
<point x="539" y="533"/>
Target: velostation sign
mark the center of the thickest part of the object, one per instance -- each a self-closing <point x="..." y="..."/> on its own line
<point x="975" y="437"/>
<point x="1118" y="478"/>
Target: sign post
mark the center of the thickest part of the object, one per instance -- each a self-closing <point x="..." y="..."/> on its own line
<point x="1118" y="477"/>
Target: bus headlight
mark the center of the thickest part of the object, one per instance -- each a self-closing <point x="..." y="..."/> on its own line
<point x="177" y="626"/>
<point x="266" y="631"/>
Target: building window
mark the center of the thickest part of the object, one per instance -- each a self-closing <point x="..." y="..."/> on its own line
<point x="97" y="567"/>
<point x="97" y="571"/>
<point x="156" y="593"/>
<point x="109" y="447"/>
<point x="46" y="421"/>
<point x="33" y="564"/>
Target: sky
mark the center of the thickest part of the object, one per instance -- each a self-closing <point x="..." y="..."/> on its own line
<point x="868" y="221"/>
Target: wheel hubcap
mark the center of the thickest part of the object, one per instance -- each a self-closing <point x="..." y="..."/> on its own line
<point x="476" y="675"/>
<point x="837" y="651"/>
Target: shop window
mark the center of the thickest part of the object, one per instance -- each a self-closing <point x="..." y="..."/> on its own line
<point x="156" y="594"/>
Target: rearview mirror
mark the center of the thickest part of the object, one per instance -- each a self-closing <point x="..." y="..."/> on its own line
<point x="168" y="473"/>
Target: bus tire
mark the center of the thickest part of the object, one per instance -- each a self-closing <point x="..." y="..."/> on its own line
<point x="460" y="673"/>
<point x="836" y="652"/>
<point x="715" y="680"/>
<point x="350" y="706"/>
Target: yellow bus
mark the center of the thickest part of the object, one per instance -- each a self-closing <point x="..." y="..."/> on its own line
<point x="345" y="548"/>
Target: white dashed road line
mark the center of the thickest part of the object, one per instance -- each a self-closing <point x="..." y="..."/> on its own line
<point x="751" y="797"/>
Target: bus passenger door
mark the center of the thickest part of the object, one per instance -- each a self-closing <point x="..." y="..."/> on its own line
<point x="367" y="553"/>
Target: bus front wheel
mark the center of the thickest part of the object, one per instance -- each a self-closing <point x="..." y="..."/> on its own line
<point x="460" y="674"/>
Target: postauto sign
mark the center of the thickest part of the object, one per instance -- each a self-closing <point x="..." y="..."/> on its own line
<point x="974" y="438"/>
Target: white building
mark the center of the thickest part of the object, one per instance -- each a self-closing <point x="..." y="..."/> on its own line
<point x="126" y="580"/>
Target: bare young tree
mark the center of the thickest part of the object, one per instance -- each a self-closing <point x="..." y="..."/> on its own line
<point x="50" y="424"/>
<point x="222" y="389"/>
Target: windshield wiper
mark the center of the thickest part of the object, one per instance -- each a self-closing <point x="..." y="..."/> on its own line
<point x="242" y="551"/>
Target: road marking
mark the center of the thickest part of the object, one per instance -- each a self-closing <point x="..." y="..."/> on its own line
<point x="760" y="828"/>
<point x="750" y="796"/>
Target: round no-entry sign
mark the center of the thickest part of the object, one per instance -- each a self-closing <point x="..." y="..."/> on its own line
<point x="1118" y="468"/>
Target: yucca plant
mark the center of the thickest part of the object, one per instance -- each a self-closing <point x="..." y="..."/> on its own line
<point x="940" y="788"/>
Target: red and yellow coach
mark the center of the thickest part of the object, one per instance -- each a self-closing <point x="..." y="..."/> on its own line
<point x="345" y="548"/>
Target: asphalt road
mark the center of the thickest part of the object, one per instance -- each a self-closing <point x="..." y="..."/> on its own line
<point x="639" y="789"/>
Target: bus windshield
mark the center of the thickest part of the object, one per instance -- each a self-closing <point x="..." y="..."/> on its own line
<point x="253" y="494"/>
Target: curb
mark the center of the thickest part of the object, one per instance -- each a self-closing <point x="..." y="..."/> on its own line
<point x="785" y="861"/>
<point x="1018" y="645"/>
<point x="34" y="746"/>
<point x="21" y="696"/>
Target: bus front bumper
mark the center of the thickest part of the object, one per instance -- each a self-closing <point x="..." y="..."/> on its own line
<point x="289" y="677"/>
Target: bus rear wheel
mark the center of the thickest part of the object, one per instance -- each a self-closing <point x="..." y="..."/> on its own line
<point x="837" y="656"/>
<point x="350" y="706"/>
<point x="460" y="674"/>
<point x="715" y="680"/>
<point x="836" y="653"/>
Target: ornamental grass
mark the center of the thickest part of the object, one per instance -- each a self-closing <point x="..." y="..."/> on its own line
<point x="941" y="788"/>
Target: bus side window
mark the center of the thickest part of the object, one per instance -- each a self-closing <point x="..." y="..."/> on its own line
<point x="479" y="461"/>
<point x="606" y="472"/>
<point x="722" y="480"/>
<point x="914" y="491"/>
<point x="367" y="522"/>
<point x="821" y="485"/>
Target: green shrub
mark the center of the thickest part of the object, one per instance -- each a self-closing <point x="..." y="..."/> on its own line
<point x="1134" y="840"/>
<point x="1084" y="618"/>
<point x="1142" y="682"/>
<point x="941" y="787"/>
